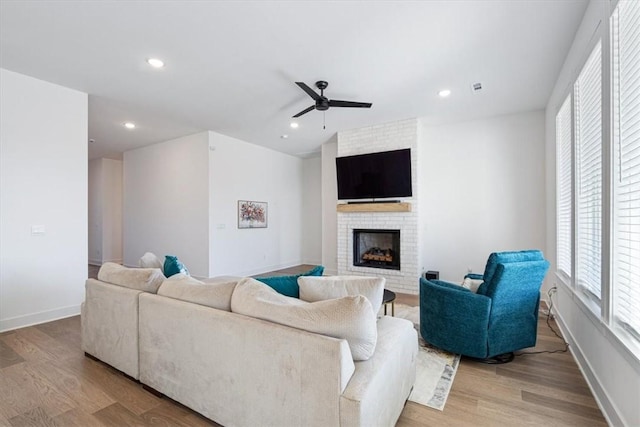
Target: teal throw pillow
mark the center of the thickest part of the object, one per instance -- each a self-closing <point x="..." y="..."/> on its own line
<point x="172" y="265"/>
<point x="288" y="285"/>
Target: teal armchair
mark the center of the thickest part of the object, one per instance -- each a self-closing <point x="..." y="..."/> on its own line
<point x="500" y="318"/>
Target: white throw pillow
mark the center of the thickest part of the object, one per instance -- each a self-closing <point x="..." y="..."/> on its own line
<point x="142" y="279"/>
<point x="323" y="288"/>
<point x="350" y="318"/>
<point x="150" y="260"/>
<point x="472" y="284"/>
<point x="186" y="288"/>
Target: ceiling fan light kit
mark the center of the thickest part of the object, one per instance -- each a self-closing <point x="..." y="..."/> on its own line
<point x="322" y="103"/>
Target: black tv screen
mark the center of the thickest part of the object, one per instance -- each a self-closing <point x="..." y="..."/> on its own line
<point x="375" y="175"/>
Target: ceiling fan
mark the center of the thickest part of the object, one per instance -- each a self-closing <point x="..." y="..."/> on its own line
<point x="322" y="102"/>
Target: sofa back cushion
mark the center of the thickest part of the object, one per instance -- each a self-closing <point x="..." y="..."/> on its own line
<point x="323" y="288"/>
<point x="142" y="279"/>
<point x="150" y="260"/>
<point x="186" y="288"/>
<point x="350" y="318"/>
<point x="288" y="285"/>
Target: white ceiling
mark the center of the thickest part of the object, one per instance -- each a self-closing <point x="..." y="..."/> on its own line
<point x="231" y="65"/>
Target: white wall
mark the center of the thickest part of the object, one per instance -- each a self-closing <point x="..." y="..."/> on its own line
<point x="329" y="202"/>
<point x="43" y="182"/>
<point x="166" y="202"/>
<point x="243" y="171"/>
<point x="105" y="211"/>
<point x="612" y="370"/>
<point x="483" y="191"/>
<point x="312" y="210"/>
<point x="95" y="211"/>
<point x="112" y="210"/>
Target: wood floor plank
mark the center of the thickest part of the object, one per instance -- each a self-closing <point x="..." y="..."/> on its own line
<point x="49" y="398"/>
<point x="14" y="399"/>
<point x="78" y="418"/>
<point x="87" y="396"/>
<point x="25" y="348"/>
<point x="561" y="405"/>
<point x="8" y="356"/>
<point x="117" y="386"/>
<point x="34" y="417"/>
<point x="118" y="415"/>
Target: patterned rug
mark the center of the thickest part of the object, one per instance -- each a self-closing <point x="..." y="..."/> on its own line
<point x="436" y="368"/>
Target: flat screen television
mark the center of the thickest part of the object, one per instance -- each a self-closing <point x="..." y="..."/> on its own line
<point x="374" y="175"/>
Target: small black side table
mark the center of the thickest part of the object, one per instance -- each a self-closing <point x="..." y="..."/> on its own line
<point x="389" y="297"/>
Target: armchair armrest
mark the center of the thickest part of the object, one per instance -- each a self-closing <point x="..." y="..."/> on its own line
<point x="474" y="276"/>
<point x="454" y="318"/>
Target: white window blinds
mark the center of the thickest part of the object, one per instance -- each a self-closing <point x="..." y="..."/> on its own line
<point x="625" y="56"/>
<point x="564" y="210"/>
<point x="588" y="140"/>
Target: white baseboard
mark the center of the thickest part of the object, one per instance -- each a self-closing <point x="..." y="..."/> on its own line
<point x="37" y="318"/>
<point x="602" y="399"/>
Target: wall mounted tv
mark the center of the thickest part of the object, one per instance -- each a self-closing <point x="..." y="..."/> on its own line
<point x="374" y="175"/>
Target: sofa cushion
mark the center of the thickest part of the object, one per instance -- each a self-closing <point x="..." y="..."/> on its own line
<point x="142" y="279"/>
<point x="150" y="260"/>
<point x="288" y="285"/>
<point x="186" y="288"/>
<point x="172" y="265"/>
<point x="350" y="318"/>
<point x="322" y="288"/>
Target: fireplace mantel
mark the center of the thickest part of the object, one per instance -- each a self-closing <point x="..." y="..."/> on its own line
<point x="374" y="207"/>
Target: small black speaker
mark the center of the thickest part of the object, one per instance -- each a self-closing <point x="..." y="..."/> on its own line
<point x="432" y="275"/>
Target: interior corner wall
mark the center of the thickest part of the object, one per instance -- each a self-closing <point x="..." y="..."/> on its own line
<point x="312" y="211"/>
<point x="43" y="200"/>
<point x="112" y="210"/>
<point x="243" y="171"/>
<point x="105" y="211"/>
<point x="329" y="203"/>
<point x="95" y="211"/>
<point x="166" y="202"/>
<point x="482" y="190"/>
<point x="611" y="369"/>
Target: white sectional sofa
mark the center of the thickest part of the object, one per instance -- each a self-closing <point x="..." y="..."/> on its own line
<point x="180" y="338"/>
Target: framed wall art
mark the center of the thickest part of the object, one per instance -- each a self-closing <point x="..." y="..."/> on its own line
<point x="252" y="214"/>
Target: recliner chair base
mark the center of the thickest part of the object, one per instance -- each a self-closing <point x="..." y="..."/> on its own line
<point x="496" y="360"/>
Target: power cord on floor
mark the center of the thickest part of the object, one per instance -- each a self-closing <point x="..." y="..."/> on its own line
<point x="549" y="316"/>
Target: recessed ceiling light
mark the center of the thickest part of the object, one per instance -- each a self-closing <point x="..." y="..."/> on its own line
<point x="129" y="125"/>
<point x="155" y="62"/>
<point x="284" y="136"/>
<point x="444" y="93"/>
<point x="294" y="125"/>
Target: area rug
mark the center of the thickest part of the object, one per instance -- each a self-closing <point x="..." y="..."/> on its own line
<point x="436" y="368"/>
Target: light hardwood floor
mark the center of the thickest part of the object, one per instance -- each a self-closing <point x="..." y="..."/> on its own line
<point x="45" y="380"/>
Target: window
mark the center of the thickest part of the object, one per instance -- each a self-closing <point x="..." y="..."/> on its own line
<point x="564" y="186"/>
<point x="625" y="99"/>
<point x="587" y="94"/>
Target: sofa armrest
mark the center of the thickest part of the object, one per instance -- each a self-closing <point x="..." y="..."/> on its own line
<point x="445" y="308"/>
<point x="110" y="325"/>
<point x="474" y="276"/>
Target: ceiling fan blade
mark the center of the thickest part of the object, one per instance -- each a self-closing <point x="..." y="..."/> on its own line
<point x="305" y="111"/>
<point x="309" y="91"/>
<point x="336" y="103"/>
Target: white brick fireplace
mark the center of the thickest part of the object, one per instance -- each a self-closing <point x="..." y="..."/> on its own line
<point x="385" y="137"/>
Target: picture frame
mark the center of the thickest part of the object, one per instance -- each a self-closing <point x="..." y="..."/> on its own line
<point x="252" y="214"/>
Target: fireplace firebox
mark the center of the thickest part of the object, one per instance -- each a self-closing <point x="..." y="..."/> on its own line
<point x="376" y="248"/>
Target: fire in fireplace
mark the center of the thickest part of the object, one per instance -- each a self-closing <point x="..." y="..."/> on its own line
<point x="376" y="248"/>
